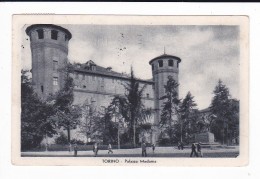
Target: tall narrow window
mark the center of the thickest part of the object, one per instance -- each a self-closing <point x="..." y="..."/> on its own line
<point x="55" y="65"/>
<point x="40" y="34"/>
<point x="170" y="63"/>
<point x="177" y="64"/>
<point x="83" y="77"/>
<point x="93" y="67"/>
<point x="55" y="80"/>
<point x="66" y="37"/>
<point x="152" y="67"/>
<point x="160" y="63"/>
<point x="42" y="89"/>
<point x="54" y="34"/>
<point x="147" y="95"/>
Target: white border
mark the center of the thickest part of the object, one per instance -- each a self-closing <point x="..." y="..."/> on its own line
<point x="7" y="170"/>
<point x="20" y="20"/>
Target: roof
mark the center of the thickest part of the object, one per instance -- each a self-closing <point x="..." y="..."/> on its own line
<point x="165" y="56"/>
<point x="102" y="71"/>
<point x="28" y="29"/>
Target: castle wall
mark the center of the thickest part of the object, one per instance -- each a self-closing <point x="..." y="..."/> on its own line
<point x="161" y="72"/>
<point x="49" y="54"/>
<point x="98" y="91"/>
<point x="101" y="90"/>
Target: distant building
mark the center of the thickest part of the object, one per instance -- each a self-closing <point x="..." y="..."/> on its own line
<point x="94" y="84"/>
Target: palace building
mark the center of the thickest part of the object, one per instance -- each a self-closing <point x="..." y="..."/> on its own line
<point x="94" y="83"/>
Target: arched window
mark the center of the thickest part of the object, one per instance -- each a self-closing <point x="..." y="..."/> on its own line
<point x="54" y="34"/>
<point x="160" y="63"/>
<point x="170" y="63"/>
<point x="40" y="34"/>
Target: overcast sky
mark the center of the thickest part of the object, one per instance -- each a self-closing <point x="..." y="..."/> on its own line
<point x="208" y="53"/>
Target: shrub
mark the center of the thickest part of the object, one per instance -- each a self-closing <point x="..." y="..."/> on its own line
<point x="62" y="139"/>
<point x="76" y="141"/>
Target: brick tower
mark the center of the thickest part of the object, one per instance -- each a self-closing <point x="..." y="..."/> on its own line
<point x="49" y="48"/>
<point x="162" y="67"/>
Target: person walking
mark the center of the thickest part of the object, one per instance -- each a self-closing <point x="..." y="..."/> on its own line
<point x="153" y="147"/>
<point x="95" y="149"/>
<point x="193" y="150"/>
<point x="179" y="146"/>
<point x="75" y="150"/>
<point x="199" y="150"/>
<point x="109" y="149"/>
<point x="144" y="154"/>
<point x="70" y="147"/>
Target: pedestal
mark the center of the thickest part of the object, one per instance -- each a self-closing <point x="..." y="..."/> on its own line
<point x="205" y="137"/>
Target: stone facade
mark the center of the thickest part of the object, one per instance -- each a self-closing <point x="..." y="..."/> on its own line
<point x="49" y="48"/>
<point x="162" y="67"/>
<point x="94" y="84"/>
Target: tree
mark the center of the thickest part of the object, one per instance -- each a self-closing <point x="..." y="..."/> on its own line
<point x="170" y="111"/>
<point x="36" y="116"/>
<point x="112" y="121"/>
<point x="67" y="113"/>
<point x="187" y="113"/>
<point x="96" y="123"/>
<point x="137" y="113"/>
<point x="226" y="111"/>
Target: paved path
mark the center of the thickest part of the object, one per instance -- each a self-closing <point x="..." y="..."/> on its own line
<point x="159" y="152"/>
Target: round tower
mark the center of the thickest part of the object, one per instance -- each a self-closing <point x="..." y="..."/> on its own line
<point x="162" y="67"/>
<point x="49" y="49"/>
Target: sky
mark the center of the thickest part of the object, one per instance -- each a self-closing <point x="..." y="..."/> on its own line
<point x="208" y="53"/>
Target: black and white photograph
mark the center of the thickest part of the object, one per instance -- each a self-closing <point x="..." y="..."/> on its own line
<point x="130" y="90"/>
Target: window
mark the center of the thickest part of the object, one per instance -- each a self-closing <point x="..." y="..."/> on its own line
<point x="55" y="65"/>
<point x="93" y="67"/>
<point x="83" y="77"/>
<point x="147" y="95"/>
<point x="54" y="34"/>
<point x="66" y="37"/>
<point x="170" y="63"/>
<point x="42" y="89"/>
<point x="55" y="80"/>
<point x="40" y="34"/>
<point x="84" y="86"/>
<point x="177" y="64"/>
<point x="77" y="76"/>
<point x="102" y="79"/>
<point x="160" y="63"/>
<point x="152" y="67"/>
